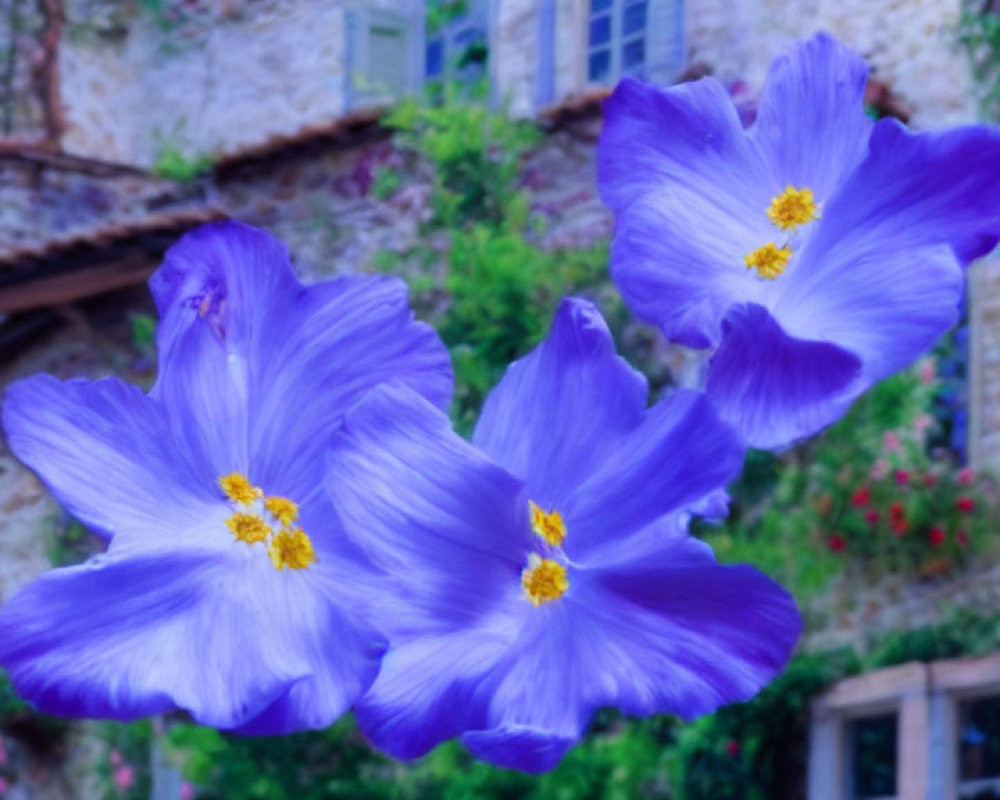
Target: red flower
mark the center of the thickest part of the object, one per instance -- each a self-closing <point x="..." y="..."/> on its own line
<point x="902" y="477"/>
<point x="930" y="480"/>
<point x="936" y="536"/>
<point x="733" y="748"/>
<point x="962" y="539"/>
<point x="964" y="476"/>
<point x="896" y="511"/>
<point x="861" y="497"/>
<point x="872" y="516"/>
<point x="965" y="504"/>
<point x="899" y="525"/>
<point x="836" y="543"/>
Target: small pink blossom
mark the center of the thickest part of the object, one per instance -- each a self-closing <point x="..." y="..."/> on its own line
<point x="124" y="778"/>
<point x="879" y="469"/>
<point x="187" y="791"/>
<point x="928" y="370"/>
<point x="965" y="476"/>
<point x="116" y="758"/>
<point x="923" y="423"/>
<point x="890" y="442"/>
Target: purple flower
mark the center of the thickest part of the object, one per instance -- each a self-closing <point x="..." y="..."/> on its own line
<point x="227" y="588"/>
<point x="545" y="571"/>
<point x="818" y="252"/>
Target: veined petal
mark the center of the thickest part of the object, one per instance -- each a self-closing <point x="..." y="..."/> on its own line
<point x="349" y="336"/>
<point x="105" y="451"/>
<point x="811" y="125"/>
<point x="774" y="388"/>
<point x="684" y="635"/>
<point x="445" y="522"/>
<point x="550" y="418"/>
<point x="686" y="139"/>
<point x="221" y="637"/>
<point x="679" y="265"/>
<point x="681" y="454"/>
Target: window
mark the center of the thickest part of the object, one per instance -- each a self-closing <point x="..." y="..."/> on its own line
<point x="635" y="38"/>
<point x="979" y="749"/>
<point x="458" y="50"/>
<point x="383" y="55"/>
<point x="872" y="754"/>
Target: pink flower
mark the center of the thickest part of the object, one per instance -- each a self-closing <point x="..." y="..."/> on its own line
<point x="902" y="477"/>
<point x="923" y="423"/>
<point x="733" y="748"/>
<point x="962" y="539"/>
<point x="928" y="371"/>
<point x="879" y="469"/>
<point x="116" y="758"/>
<point x="936" y="536"/>
<point x="930" y="480"/>
<point x="187" y="791"/>
<point x="124" y="778"/>
<point x="965" y="476"/>
<point x="872" y="516"/>
<point x="836" y="543"/>
<point x="890" y="442"/>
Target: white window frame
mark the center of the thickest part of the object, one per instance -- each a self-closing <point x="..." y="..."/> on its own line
<point x="617" y="40"/>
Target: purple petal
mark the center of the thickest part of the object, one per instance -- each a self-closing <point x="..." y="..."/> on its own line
<point x="685" y="139"/>
<point x="446" y="523"/>
<point x="522" y="747"/>
<point x="551" y="417"/>
<point x="679" y="455"/>
<point x="684" y="635"/>
<point x="257" y="370"/>
<point x="776" y="389"/>
<point x="431" y="688"/>
<point x="223" y="637"/>
<point x="811" y="125"/>
<point x="105" y="451"/>
<point x="680" y="265"/>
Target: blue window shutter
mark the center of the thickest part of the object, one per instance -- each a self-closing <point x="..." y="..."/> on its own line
<point x="666" y="48"/>
<point x="545" y="77"/>
<point x="353" y="57"/>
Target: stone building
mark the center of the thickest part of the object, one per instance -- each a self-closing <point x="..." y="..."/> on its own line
<point x="278" y="103"/>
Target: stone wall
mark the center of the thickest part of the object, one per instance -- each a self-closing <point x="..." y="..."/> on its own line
<point x="910" y="45"/>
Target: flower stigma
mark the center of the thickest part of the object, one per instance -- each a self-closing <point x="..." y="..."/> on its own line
<point x="793" y="207"/>
<point x="543" y="580"/>
<point x="549" y="525"/>
<point x="769" y="261"/>
<point x="269" y="519"/>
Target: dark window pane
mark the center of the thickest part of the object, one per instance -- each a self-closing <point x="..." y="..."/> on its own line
<point x="599" y="67"/>
<point x="435" y="58"/>
<point x="597" y="6"/>
<point x="634" y="18"/>
<point x="873" y="756"/>
<point x="600" y="30"/>
<point x="633" y="57"/>
<point x="979" y="739"/>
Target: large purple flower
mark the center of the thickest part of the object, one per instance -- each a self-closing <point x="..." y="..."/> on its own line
<point x="227" y="588"/>
<point x="546" y="570"/>
<point x="818" y="251"/>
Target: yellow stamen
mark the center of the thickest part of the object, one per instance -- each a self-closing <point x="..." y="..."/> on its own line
<point x="238" y="489"/>
<point x="543" y="580"/>
<point x="248" y="528"/>
<point x="793" y="207"/>
<point x="283" y="509"/>
<point x="769" y="261"/>
<point x="292" y="549"/>
<point x="547" y="525"/>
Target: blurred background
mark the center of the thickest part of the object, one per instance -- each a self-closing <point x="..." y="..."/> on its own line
<point x="453" y="143"/>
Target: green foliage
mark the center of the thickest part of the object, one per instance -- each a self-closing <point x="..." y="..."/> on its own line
<point x="441" y="12"/>
<point x="10" y="704"/>
<point x="979" y="33"/>
<point x="70" y="543"/>
<point x="173" y="164"/>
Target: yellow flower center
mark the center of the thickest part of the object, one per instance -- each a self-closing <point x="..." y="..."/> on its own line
<point x="769" y="261"/>
<point x="543" y="580"/>
<point x="548" y="525"/>
<point x="793" y="207"/>
<point x="271" y="519"/>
